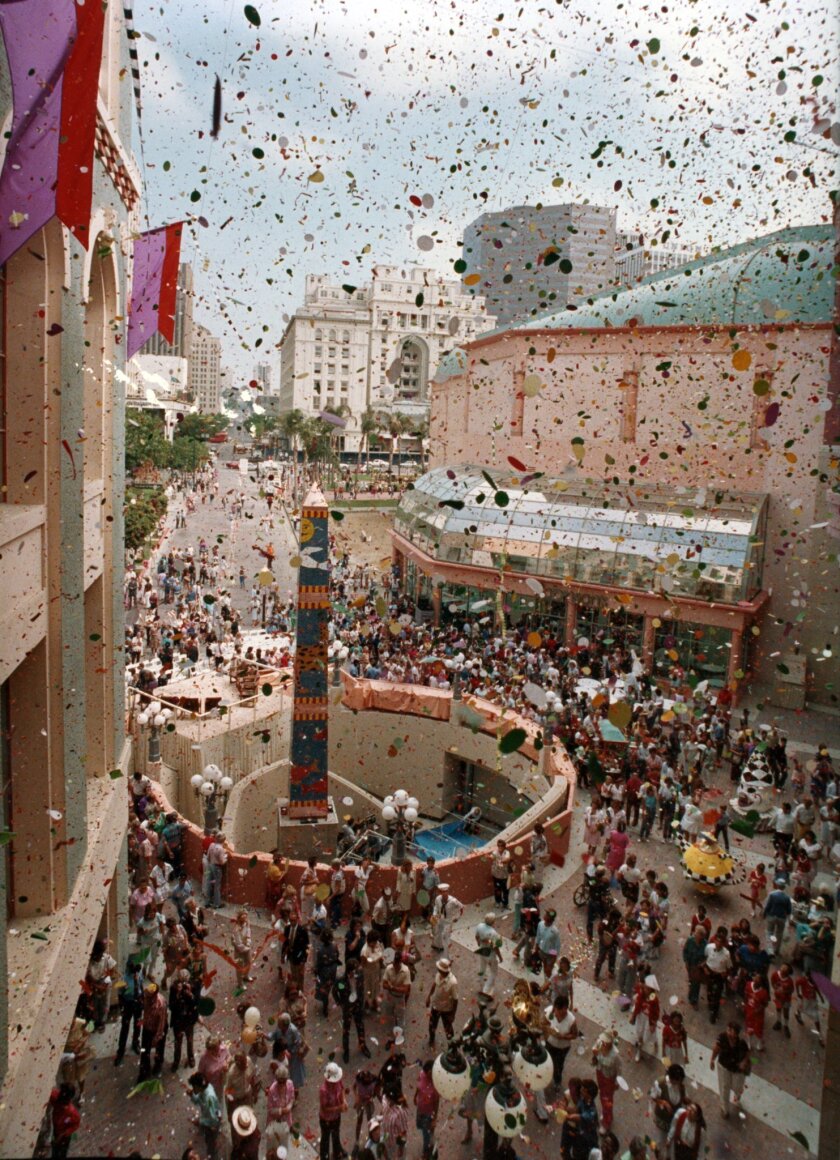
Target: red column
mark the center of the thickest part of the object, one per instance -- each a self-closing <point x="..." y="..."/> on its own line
<point x="571" y="621"/>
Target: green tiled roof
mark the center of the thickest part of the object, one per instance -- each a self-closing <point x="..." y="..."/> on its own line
<point x="783" y="277"/>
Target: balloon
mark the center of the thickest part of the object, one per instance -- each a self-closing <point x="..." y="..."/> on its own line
<point x="252" y="1017"/>
<point x="249" y="1035"/>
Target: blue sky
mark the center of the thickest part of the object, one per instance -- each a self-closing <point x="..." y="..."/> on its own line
<point x="479" y="104"/>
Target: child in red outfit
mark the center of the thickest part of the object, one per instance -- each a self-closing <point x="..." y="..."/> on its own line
<point x="781" y="984"/>
<point x="758" y="885"/>
<point x="756" y="999"/>
<point x="646" y="1018"/>
<point x="674" y="1038"/>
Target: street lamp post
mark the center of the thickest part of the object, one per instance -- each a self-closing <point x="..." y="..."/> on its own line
<point x="212" y="788"/>
<point x="266" y="579"/>
<point x="156" y="717"/>
<point x="483" y="1045"/>
<point x="400" y="813"/>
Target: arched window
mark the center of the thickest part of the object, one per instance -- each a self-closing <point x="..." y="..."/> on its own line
<point x="332" y="336"/>
<point x="414" y="373"/>
<point x="319" y="335"/>
<point x="345" y="336"/>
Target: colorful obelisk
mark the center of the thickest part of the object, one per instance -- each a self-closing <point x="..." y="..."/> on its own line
<point x="309" y="753"/>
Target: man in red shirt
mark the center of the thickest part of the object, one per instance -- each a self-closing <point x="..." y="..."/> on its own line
<point x="631" y="798"/>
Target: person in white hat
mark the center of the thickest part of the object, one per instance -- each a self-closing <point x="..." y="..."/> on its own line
<point x="374" y="1144"/>
<point x="332" y="1102"/>
<point x="442" y="1000"/>
<point x="445" y="911"/>
<point x="244" y="1134"/>
<point x="489" y="948"/>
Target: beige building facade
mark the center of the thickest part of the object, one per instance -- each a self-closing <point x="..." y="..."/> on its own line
<point x="64" y="759"/>
<point x="374" y="346"/>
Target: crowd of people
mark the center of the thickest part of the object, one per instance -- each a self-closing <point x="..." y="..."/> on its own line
<point x="368" y="963"/>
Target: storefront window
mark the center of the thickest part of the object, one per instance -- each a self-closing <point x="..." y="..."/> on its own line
<point x="699" y="648"/>
<point x="618" y="626"/>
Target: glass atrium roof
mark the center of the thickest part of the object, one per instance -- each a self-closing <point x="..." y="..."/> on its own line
<point x="691" y="542"/>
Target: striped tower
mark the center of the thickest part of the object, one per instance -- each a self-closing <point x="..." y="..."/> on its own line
<point x="309" y="753"/>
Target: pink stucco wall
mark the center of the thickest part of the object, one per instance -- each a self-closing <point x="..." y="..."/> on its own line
<point x="699" y="426"/>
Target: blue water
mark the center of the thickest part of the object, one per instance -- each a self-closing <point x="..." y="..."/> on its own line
<point x="447" y="841"/>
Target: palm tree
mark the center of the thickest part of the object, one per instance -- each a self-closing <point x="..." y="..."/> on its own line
<point x="369" y="425"/>
<point x="396" y="424"/>
<point x="420" y="429"/>
<point x="291" y="424"/>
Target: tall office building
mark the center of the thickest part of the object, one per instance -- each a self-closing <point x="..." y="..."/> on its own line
<point x="375" y="347"/>
<point x="637" y="258"/>
<point x="64" y="757"/>
<point x="182" y="343"/>
<point x="532" y="259"/>
<point x="205" y="380"/>
<point x="263" y="377"/>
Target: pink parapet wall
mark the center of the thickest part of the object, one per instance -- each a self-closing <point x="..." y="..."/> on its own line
<point x="469" y="877"/>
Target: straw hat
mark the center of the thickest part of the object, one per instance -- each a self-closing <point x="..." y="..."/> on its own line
<point x="244" y="1121"/>
<point x="333" y="1073"/>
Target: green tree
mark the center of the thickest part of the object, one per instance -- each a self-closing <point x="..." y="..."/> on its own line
<point x="145" y="441"/>
<point x="144" y="508"/>
<point x="368" y="427"/>
<point x="189" y="454"/>
<point x="195" y="426"/>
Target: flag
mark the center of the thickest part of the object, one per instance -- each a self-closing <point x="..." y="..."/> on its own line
<point x="54" y="52"/>
<point x="154" y="284"/>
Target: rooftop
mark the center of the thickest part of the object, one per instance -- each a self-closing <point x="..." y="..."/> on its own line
<point x="697" y="542"/>
<point x="782" y="277"/>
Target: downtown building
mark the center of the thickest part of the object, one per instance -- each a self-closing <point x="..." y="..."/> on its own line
<point x="529" y="259"/>
<point x="205" y="374"/>
<point x="637" y="258"/>
<point x="375" y="346"/>
<point x="64" y="757"/>
<point x="687" y="434"/>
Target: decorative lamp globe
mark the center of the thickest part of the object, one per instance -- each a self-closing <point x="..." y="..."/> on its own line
<point x="410" y="814"/>
<point x="212" y="773"/>
<point x="400" y="798"/>
<point x="533" y="1067"/>
<point x="160" y="720"/>
<point x="413" y="803"/>
<point x="451" y="1076"/>
<point x="154" y="708"/>
<point x="388" y="813"/>
<point x="143" y="719"/>
<point x="506" y="1116"/>
<point x="226" y="784"/>
<point x="197" y="781"/>
<point x="208" y="789"/>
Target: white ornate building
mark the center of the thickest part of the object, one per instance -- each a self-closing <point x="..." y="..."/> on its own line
<point x="374" y="346"/>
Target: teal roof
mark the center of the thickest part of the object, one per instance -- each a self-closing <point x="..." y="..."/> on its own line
<point x="783" y="277"/>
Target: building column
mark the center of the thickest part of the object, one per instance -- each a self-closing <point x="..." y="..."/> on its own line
<point x="571" y="621"/>
<point x="437" y="600"/>
<point x="648" y="639"/>
<point x="38" y="871"/>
